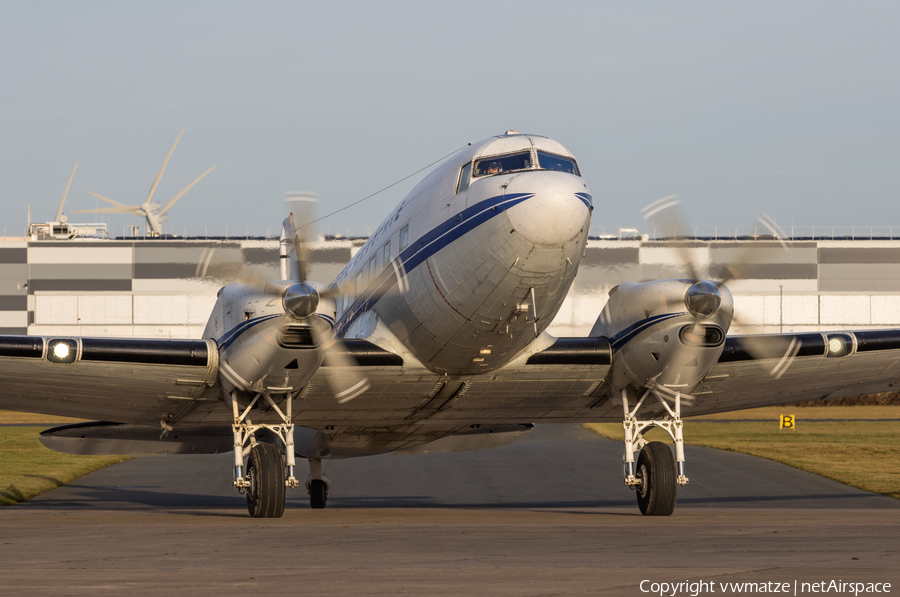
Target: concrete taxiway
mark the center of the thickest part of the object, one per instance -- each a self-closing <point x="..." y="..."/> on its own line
<point x="546" y="516"/>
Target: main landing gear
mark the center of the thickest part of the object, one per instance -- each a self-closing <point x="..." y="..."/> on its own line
<point x="268" y="475"/>
<point x="657" y="474"/>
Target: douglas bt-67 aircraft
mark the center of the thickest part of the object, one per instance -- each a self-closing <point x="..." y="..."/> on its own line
<point x="433" y="338"/>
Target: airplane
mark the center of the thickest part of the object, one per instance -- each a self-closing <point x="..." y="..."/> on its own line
<point x="433" y="338"/>
<point x="148" y="210"/>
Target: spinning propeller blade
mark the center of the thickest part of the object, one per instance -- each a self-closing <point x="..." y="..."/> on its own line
<point x="703" y="299"/>
<point x="665" y="216"/>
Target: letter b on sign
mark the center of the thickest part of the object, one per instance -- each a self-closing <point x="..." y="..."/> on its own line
<point x="787" y="422"/>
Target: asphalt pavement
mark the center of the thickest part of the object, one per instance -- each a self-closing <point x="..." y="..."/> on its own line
<point x="548" y="515"/>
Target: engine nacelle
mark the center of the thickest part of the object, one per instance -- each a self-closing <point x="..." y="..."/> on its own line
<point x="666" y="333"/>
<point x="263" y="344"/>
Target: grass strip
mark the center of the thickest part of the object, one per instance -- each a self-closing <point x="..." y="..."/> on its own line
<point x="27" y="468"/>
<point x="11" y="417"/>
<point x="863" y="454"/>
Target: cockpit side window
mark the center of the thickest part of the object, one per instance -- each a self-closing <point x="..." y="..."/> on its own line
<point x="464" y="176"/>
<point x="503" y="163"/>
<point x="549" y="161"/>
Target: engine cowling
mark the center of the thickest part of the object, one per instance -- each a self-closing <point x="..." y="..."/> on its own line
<point x="666" y="333"/>
<point x="266" y="337"/>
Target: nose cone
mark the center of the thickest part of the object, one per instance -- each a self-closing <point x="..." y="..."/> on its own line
<point x="559" y="209"/>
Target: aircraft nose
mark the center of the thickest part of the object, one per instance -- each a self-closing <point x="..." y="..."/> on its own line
<point x="559" y="209"/>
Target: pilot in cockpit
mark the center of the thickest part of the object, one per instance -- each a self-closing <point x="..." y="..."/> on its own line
<point x="493" y="168"/>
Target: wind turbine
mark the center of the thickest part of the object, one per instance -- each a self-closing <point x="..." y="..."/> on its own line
<point x="58" y="228"/>
<point x="151" y="211"/>
<point x="59" y="210"/>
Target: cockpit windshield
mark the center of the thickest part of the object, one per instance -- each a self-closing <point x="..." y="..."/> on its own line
<point x="549" y="161"/>
<point x="501" y="164"/>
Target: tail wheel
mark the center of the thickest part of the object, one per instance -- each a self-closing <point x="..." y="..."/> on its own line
<point x="318" y="494"/>
<point x="265" y="496"/>
<point x="656" y="471"/>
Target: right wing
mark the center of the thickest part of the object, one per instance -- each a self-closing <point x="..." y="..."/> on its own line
<point x="127" y="380"/>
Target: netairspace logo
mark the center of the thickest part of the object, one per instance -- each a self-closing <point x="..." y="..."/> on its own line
<point x="669" y="589"/>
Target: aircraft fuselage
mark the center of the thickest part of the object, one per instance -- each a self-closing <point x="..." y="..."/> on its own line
<point x="481" y="254"/>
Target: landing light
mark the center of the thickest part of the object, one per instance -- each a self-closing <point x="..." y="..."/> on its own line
<point x="839" y="345"/>
<point x="62" y="351"/>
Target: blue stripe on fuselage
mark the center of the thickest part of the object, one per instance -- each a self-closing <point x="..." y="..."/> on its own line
<point x="426" y="246"/>
<point x="586" y="199"/>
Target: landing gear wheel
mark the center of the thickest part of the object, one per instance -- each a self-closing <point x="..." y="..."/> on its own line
<point x="656" y="470"/>
<point x="265" y="496"/>
<point x="317" y="493"/>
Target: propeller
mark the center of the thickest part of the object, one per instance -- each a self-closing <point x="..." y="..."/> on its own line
<point x="704" y="297"/>
<point x="300" y="299"/>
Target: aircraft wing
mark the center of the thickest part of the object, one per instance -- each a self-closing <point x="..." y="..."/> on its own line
<point x="768" y="370"/>
<point x="564" y="383"/>
<point x="141" y="381"/>
<point x="114" y="379"/>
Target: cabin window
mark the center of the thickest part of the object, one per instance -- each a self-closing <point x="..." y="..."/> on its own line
<point x="549" y="161"/>
<point x="464" y="176"/>
<point x="387" y="253"/>
<point x="404" y="237"/>
<point x="371" y="269"/>
<point x="359" y="284"/>
<point x="503" y="163"/>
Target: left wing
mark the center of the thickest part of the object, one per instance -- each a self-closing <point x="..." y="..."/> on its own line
<point x="768" y="370"/>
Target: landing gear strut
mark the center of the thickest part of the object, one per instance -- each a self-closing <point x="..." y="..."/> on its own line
<point x="266" y="477"/>
<point x="657" y="473"/>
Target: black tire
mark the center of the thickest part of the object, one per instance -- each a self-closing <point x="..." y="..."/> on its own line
<point x="317" y="493"/>
<point x="656" y="470"/>
<point x="265" y="496"/>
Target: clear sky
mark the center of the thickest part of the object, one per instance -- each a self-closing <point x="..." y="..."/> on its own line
<point x="785" y="108"/>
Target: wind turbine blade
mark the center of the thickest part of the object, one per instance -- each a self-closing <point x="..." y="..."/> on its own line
<point x="116" y="203"/>
<point x="181" y="194"/>
<point x="66" y="192"/>
<point x="163" y="169"/>
<point x="124" y="209"/>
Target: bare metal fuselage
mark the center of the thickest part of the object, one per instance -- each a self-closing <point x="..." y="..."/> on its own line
<point x="478" y="265"/>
